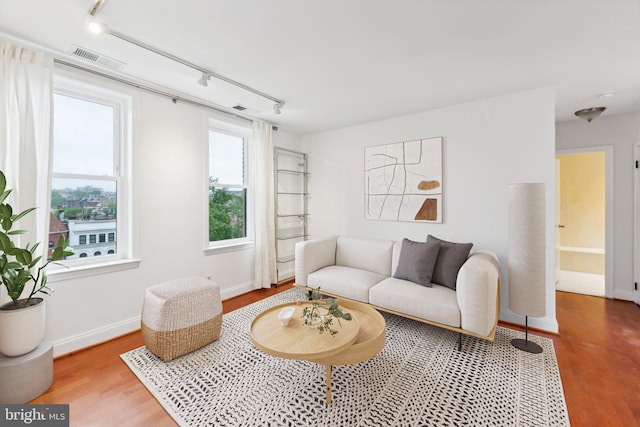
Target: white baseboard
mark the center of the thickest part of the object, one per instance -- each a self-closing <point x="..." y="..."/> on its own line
<point x="96" y="336"/>
<point x="544" y="323"/>
<point x="234" y="291"/>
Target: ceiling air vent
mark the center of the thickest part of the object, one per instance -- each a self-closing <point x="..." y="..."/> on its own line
<point x="245" y="109"/>
<point x="96" y="58"/>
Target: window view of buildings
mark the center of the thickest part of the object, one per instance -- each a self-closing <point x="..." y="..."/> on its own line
<point x="87" y="217"/>
<point x="88" y="144"/>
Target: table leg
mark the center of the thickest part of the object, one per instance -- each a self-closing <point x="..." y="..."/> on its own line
<point x="328" y="384"/>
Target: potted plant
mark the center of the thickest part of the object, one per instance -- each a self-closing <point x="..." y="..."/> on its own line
<point x="22" y="319"/>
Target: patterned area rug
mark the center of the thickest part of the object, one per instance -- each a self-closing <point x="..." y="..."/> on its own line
<point x="418" y="379"/>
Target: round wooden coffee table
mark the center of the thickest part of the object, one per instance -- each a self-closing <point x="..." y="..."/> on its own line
<point x="357" y="340"/>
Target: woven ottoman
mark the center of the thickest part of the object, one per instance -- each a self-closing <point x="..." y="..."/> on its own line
<point x="180" y="316"/>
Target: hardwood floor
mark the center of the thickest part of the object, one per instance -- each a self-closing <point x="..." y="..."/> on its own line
<point x="598" y="351"/>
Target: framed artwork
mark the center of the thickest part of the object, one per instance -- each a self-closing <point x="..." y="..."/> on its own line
<point x="403" y="181"/>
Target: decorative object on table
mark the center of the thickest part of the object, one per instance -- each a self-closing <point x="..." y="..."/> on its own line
<point x="416" y="379"/>
<point x="285" y="315"/>
<point x="180" y="316"/>
<point x="320" y="313"/>
<point x="527" y="256"/>
<point x="403" y="181"/>
<point x="22" y="320"/>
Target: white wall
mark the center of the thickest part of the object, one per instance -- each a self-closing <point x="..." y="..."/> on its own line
<point x="488" y="144"/>
<point x="621" y="132"/>
<point x="285" y="139"/>
<point x="169" y="194"/>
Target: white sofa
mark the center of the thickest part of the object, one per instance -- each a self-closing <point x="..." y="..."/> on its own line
<point x="363" y="269"/>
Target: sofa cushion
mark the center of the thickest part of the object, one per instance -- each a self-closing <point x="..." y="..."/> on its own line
<point x="366" y="254"/>
<point x="347" y="282"/>
<point x="417" y="260"/>
<point x="450" y="259"/>
<point x="437" y="304"/>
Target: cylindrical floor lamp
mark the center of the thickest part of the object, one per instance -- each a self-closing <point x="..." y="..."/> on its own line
<point x="527" y="256"/>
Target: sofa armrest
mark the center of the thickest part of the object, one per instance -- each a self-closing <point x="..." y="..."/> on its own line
<point x="312" y="255"/>
<point x="478" y="293"/>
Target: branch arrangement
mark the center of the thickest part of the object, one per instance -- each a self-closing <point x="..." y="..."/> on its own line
<point x="322" y="312"/>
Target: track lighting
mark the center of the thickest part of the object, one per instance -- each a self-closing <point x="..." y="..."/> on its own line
<point x="204" y="80"/>
<point x="100" y="28"/>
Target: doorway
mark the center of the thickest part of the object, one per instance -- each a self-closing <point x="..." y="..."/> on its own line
<point x="582" y="227"/>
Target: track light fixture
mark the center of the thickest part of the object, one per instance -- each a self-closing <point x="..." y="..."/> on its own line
<point x="97" y="4"/>
<point x="100" y="28"/>
<point x="97" y="27"/>
<point x="204" y="80"/>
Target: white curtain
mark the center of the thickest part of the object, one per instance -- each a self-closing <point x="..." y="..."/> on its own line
<point x="265" y="272"/>
<point x="26" y="80"/>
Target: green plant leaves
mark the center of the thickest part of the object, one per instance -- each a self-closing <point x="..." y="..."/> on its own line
<point x="15" y="281"/>
<point x="24" y="256"/>
<point x="62" y="250"/>
<point x="4" y="194"/>
<point x="332" y="308"/>
<point x="21" y="266"/>
<point x="5" y="242"/>
<point x="7" y="224"/>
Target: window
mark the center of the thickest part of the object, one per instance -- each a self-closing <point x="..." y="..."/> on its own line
<point x="89" y="179"/>
<point x="228" y="189"/>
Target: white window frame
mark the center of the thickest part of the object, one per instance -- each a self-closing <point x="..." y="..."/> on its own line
<point x="93" y="89"/>
<point x="244" y="131"/>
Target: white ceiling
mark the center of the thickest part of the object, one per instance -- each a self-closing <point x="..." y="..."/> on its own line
<point x="342" y="62"/>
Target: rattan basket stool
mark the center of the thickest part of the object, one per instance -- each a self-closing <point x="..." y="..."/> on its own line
<point x="180" y="316"/>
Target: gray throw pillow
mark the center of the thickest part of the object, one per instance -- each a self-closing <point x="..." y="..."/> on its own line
<point x="450" y="258"/>
<point x="416" y="261"/>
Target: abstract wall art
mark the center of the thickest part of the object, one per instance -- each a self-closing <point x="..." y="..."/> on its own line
<point x="403" y="181"/>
